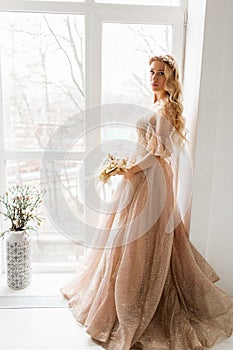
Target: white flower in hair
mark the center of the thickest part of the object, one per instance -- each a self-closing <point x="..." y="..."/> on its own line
<point x="167" y="59"/>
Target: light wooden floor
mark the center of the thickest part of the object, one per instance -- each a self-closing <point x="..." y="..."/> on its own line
<point x="42" y="329"/>
<point x="38" y="327"/>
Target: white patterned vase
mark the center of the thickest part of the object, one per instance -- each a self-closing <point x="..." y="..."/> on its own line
<point x="18" y="256"/>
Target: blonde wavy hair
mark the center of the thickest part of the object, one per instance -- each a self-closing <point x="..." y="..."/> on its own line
<point x="173" y="107"/>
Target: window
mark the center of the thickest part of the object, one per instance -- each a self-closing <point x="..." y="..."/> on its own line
<point x="53" y="66"/>
<point x="141" y="2"/>
<point x="42" y="69"/>
<point x="124" y="62"/>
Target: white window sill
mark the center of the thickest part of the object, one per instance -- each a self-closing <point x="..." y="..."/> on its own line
<point x="42" y="284"/>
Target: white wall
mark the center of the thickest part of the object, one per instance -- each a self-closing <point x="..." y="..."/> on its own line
<point x="211" y="220"/>
<point x="193" y="59"/>
<point x="192" y="73"/>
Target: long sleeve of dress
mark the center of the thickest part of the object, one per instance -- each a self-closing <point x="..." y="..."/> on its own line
<point x="158" y="136"/>
<point x="158" y="141"/>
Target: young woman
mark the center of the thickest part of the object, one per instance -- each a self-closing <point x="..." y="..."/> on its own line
<point x="150" y="288"/>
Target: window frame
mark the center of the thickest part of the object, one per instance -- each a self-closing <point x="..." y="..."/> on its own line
<point x="95" y="14"/>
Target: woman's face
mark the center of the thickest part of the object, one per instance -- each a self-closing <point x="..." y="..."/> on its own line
<point x="157" y="77"/>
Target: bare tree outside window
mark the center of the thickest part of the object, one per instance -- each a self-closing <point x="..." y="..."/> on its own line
<point x="125" y="64"/>
<point x="43" y="75"/>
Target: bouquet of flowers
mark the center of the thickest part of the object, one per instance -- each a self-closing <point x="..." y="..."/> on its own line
<point x="111" y="166"/>
<point x="21" y="203"/>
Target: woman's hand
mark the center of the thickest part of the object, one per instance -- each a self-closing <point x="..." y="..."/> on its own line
<point x="129" y="173"/>
<point x="122" y="172"/>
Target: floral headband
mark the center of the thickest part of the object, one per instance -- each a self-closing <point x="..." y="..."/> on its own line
<point x="166" y="59"/>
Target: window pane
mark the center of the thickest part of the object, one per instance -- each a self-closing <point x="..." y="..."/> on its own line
<point x="62" y="0"/>
<point x="42" y="65"/>
<point x="49" y="245"/>
<point x="126" y="52"/>
<point x="143" y="2"/>
<point x="110" y="133"/>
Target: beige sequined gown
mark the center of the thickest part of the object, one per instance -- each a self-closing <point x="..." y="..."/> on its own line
<point x="152" y="289"/>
